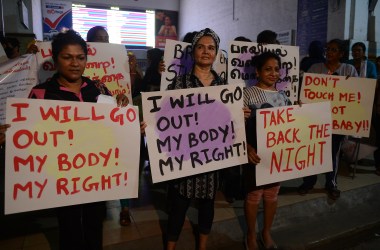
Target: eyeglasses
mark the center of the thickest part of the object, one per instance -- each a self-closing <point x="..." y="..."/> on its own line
<point x="331" y="49"/>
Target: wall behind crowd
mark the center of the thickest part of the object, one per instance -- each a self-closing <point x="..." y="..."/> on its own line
<point x="232" y="18"/>
<point x="348" y="19"/>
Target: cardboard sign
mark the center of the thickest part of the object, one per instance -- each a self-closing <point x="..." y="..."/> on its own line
<point x="192" y="131"/>
<point x="106" y="62"/>
<point x="17" y="77"/>
<point x="241" y="69"/>
<point x="294" y="142"/>
<point x="61" y="153"/>
<point x="351" y="100"/>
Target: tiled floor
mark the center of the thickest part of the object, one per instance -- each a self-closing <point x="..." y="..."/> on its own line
<point x="38" y="230"/>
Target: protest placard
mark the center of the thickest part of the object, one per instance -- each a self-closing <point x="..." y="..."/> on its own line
<point x="192" y="131"/>
<point x="106" y="62"/>
<point x="241" y="69"/>
<point x="294" y="142"/>
<point x="17" y="77"/>
<point x="61" y="153"/>
<point x="220" y="64"/>
<point x="178" y="61"/>
<point x="351" y="98"/>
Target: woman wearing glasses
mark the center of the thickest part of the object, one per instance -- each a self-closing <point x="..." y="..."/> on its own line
<point x="335" y="50"/>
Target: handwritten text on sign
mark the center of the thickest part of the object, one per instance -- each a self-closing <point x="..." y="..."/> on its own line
<point x="241" y="69"/>
<point x="17" y="78"/>
<point x="351" y="100"/>
<point x="295" y="142"/>
<point x="193" y="131"/>
<point x="62" y="153"/>
<point x="106" y="62"/>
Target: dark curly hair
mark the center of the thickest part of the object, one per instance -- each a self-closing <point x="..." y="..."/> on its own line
<point x="267" y="36"/>
<point x="70" y="37"/>
<point x="260" y="60"/>
<point x="91" y="33"/>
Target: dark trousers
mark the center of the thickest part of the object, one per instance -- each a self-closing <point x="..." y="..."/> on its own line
<point x="231" y="182"/>
<point x="331" y="177"/>
<point x="376" y="154"/>
<point x="81" y="226"/>
<point x="177" y="214"/>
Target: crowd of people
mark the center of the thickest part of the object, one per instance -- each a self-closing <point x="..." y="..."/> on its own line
<point x="81" y="225"/>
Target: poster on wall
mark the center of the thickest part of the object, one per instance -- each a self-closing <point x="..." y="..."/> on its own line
<point x="166" y="27"/>
<point x="56" y="16"/>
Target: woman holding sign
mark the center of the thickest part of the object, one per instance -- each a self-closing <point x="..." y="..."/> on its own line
<point x="334" y="53"/>
<point x="80" y="226"/>
<point x="200" y="187"/>
<point x="263" y="95"/>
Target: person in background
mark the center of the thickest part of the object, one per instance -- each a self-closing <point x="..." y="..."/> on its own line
<point x="152" y="77"/>
<point x="267" y="37"/>
<point x="242" y="39"/>
<point x="316" y="55"/>
<point x="150" y="82"/>
<point x="3" y="129"/>
<point x="364" y="67"/>
<point x="263" y="95"/>
<point x="201" y="187"/>
<point x="188" y="38"/>
<point x="376" y="120"/>
<point x="99" y="34"/>
<point x="333" y="66"/>
<point x="11" y="47"/>
<point x="80" y="226"/>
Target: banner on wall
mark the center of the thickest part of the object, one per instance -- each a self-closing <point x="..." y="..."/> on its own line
<point x="193" y="131"/>
<point x="351" y="100"/>
<point x="294" y="143"/>
<point x="61" y="153"/>
<point x="179" y="61"/>
<point x="56" y="16"/>
<point x="241" y="70"/>
<point x="17" y="77"/>
<point x="166" y="27"/>
<point x="106" y="62"/>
